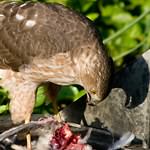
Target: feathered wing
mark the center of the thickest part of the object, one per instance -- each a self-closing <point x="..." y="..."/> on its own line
<point x="20" y="39"/>
<point x="28" y="31"/>
<point x="32" y="30"/>
<point x="8" y="58"/>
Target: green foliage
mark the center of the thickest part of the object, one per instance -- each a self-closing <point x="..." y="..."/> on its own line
<point x="124" y="26"/>
<point x="66" y="94"/>
<point x="70" y="93"/>
<point x="4" y="108"/>
<point x="118" y="15"/>
<point x="40" y="96"/>
<point x="3" y="101"/>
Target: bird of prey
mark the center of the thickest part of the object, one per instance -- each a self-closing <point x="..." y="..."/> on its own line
<point x="48" y="43"/>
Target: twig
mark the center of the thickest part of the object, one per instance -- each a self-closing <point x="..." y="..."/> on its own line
<point x="129" y="51"/>
<point x="6" y="123"/>
<point x="125" y="28"/>
<point x="14" y="130"/>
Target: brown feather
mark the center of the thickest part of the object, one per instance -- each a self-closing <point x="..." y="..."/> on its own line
<point x="48" y="42"/>
<point x="56" y="30"/>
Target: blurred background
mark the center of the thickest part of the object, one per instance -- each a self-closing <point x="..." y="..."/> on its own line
<point x="124" y="27"/>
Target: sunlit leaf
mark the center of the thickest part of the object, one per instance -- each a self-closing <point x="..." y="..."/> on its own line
<point x="3" y="108"/>
<point x="92" y="16"/>
<point x="135" y="32"/>
<point x="57" y="1"/>
<point x="40" y="96"/>
<point x="80" y="94"/>
<point x="86" y="4"/>
<point x="67" y="93"/>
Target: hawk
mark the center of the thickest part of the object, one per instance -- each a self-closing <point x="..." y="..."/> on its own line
<point x="48" y="43"/>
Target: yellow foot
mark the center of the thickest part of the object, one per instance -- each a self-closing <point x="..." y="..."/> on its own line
<point x="28" y="136"/>
<point x="58" y="117"/>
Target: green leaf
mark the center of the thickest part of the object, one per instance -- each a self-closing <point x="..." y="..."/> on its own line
<point x="121" y="18"/>
<point x="92" y="16"/>
<point x="4" y="108"/>
<point x="136" y="3"/>
<point x="40" y="97"/>
<point x="135" y="32"/>
<point x="80" y="94"/>
<point x="86" y="4"/>
<point x="57" y="1"/>
<point x="67" y="93"/>
<point x="111" y="10"/>
<point x="3" y="95"/>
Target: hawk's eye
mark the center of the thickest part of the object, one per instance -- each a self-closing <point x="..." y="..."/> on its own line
<point x="93" y="91"/>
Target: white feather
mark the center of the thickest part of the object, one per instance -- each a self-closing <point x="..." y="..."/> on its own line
<point x="30" y="23"/>
<point x="19" y="17"/>
<point x="123" y="141"/>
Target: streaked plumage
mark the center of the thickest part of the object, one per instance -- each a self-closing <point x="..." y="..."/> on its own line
<point x="48" y="42"/>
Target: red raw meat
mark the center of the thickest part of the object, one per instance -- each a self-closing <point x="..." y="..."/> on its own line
<point x="64" y="139"/>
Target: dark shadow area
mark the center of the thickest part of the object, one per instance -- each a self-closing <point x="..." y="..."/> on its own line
<point x="75" y="111"/>
<point x="134" y="80"/>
